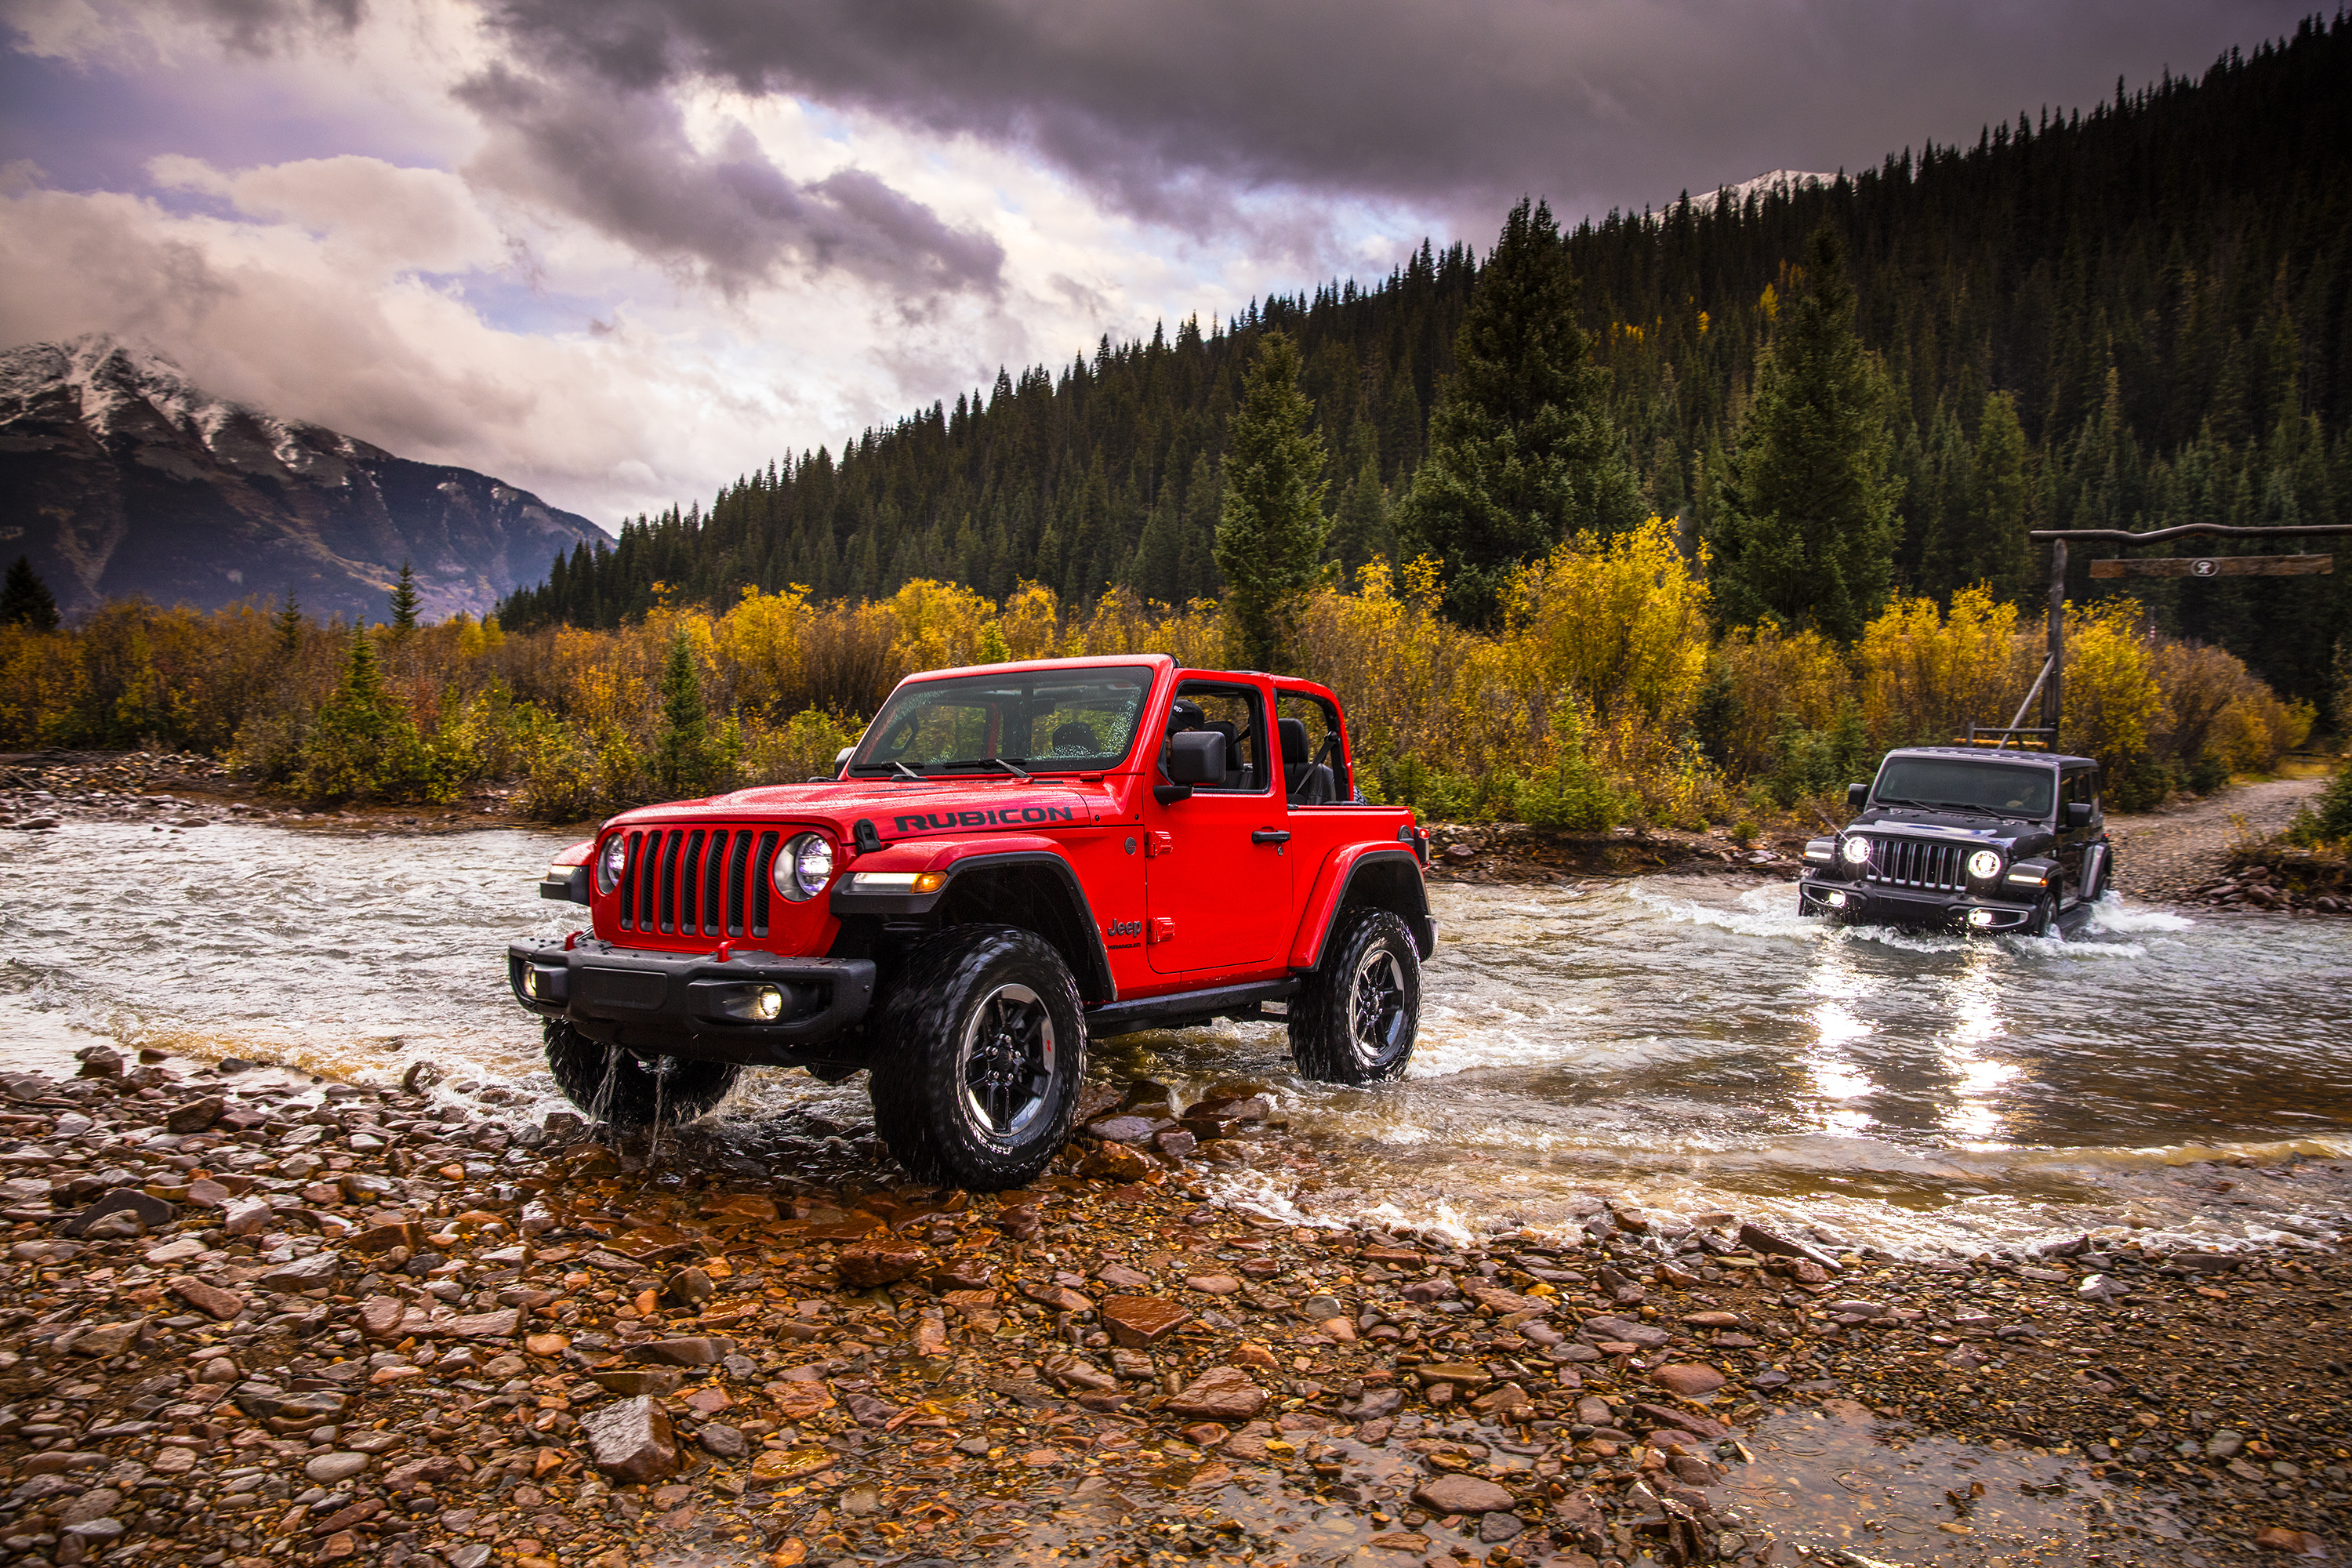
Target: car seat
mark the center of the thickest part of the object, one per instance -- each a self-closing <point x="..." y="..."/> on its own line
<point x="1074" y="740"/>
<point x="1307" y="782"/>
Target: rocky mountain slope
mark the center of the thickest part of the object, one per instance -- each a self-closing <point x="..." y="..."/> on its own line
<point x="119" y="477"/>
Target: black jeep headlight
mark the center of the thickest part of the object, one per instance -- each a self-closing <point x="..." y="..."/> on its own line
<point x="804" y="867"/>
<point x="1984" y="865"/>
<point x="611" y="862"/>
<point x="1855" y="850"/>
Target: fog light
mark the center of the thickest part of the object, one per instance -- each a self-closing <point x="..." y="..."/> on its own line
<point x="1979" y="918"/>
<point x="1834" y="901"/>
<point x="768" y="1004"/>
<point x="531" y="983"/>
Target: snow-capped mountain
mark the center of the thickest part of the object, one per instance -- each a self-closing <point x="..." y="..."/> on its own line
<point x="1779" y="183"/>
<point x="118" y="476"/>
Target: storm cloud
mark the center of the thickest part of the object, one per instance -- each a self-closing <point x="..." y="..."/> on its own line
<point x="1448" y="109"/>
<point x="618" y="158"/>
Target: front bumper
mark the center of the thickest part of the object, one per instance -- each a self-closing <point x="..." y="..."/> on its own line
<point x="1870" y="903"/>
<point x="672" y="1004"/>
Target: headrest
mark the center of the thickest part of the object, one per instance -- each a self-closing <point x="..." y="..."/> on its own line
<point x="1294" y="742"/>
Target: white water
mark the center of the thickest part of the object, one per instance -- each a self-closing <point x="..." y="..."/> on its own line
<point x="1688" y="1042"/>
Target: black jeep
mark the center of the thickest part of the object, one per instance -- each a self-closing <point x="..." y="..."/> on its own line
<point x="1966" y="839"/>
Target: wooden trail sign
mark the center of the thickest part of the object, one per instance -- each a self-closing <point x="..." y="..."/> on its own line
<point x="2219" y="566"/>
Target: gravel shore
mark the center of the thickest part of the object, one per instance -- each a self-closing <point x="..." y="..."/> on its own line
<point x="257" y="1321"/>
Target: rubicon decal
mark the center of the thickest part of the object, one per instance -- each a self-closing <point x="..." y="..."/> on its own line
<point x="999" y="816"/>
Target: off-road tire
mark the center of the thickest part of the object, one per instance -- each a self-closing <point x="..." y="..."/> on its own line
<point x="982" y="1050"/>
<point x="1356" y="1019"/>
<point x="2043" y="921"/>
<point x="629" y="1093"/>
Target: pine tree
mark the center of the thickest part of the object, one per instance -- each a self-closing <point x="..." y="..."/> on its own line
<point x="682" y="760"/>
<point x="1807" y="533"/>
<point x="1270" y="535"/>
<point x="362" y="742"/>
<point x="2002" y="556"/>
<point x="403" y="601"/>
<point x="1363" y="530"/>
<point x="288" y="626"/>
<point x="26" y="600"/>
<point x="1521" y="450"/>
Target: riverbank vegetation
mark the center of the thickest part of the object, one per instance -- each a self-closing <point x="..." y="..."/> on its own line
<point x="1600" y="697"/>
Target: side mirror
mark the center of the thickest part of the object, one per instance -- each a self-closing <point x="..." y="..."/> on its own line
<point x="2078" y="816"/>
<point x="841" y="758"/>
<point x="1197" y="757"/>
<point x="1856" y="797"/>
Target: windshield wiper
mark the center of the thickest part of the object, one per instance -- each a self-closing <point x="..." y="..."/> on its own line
<point x="1004" y="763"/>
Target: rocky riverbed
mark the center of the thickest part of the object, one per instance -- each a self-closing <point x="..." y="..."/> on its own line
<point x="257" y="1319"/>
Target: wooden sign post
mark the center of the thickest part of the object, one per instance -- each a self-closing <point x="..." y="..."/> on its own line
<point x="2219" y="566"/>
<point x="2054" y="668"/>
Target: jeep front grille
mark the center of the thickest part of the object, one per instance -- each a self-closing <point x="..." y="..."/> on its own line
<point x="706" y="881"/>
<point x="1916" y="863"/>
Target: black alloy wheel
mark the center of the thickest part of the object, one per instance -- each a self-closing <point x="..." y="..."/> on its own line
<point x="630" y="1092"/>
<point x="1356" y="1020"/>
<point x="981" y="1047"/>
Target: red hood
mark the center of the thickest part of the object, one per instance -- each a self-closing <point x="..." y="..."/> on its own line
<point x="960" y="806"/>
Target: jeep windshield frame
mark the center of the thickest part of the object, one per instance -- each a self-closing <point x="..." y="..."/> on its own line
<point x="1032" y="721"/>
<point x="2023" y="792"/>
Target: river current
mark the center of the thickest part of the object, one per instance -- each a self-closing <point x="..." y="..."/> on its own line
<point x="1685" y="1042"/>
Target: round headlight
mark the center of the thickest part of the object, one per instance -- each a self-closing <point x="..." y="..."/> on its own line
<point x="804" y="867"/>
<point x="1984" y="865"/>
<point x="1855" y="850"/>
<point x="611" y="862"/>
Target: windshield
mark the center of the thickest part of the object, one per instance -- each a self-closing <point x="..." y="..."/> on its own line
<point x="1077" y="721"/>
<point x="1999" y="788"/>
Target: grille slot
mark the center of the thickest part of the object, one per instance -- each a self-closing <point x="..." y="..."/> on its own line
<point x="699" y="882"/>
<point x="1920" y="863"/>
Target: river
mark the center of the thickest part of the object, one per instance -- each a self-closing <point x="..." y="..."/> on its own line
<point x="1685" y="1042"/>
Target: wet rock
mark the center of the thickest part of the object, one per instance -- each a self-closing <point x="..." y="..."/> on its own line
<point x="102" y="1340"/>
<point x="631" y="1441"/>
<point x="866" y="1265"/>
<point x="1137" y="1321"/>
<point x="1221" y="1393"/>
<point x="1687" y="1381"/>
<point x="194" y="1115"/>
<point x="1461" y="1494"/>
<point x="688" y="1288"/>
<point x="1498" y="1527"/>
<point x="1125" y="1128"/>
<point x="1213" y="1284"/>
<point x="1757" y="1239"/>
<point x="2295" y="1542"/>
<point x="722" y="1441"/>
<point x="99" y="1061"/>
<point x="1115" y="1162"/>
<point x="1175" y="1142"/>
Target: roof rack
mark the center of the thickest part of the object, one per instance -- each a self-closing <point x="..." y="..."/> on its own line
<point x="2027" y="739"/>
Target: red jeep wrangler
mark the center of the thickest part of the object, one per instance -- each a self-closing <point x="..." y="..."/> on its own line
<point x="1014" y="859"/>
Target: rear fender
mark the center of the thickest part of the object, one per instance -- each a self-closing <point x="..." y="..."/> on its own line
<point x="1009" y="878"/>
<point x="1379" y="876"/>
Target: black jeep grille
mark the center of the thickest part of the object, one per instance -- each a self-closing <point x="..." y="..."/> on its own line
<point x="1916" y="863"/>
<point x="706" y="881"/>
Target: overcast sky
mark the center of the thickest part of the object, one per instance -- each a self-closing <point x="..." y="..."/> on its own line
<point x="620" y="251"/>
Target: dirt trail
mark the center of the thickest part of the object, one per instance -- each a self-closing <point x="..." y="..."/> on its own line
<point x="2163" y="854"/>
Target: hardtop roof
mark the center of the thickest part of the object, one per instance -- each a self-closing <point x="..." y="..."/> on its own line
<point x="1992" y="754"/>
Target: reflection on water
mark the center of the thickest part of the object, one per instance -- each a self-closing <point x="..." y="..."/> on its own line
<point x="1834" y="1478"/>
<point x="1687" y="1041"/>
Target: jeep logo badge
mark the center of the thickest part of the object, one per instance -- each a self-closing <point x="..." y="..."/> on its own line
<point x="1125" y="927"/>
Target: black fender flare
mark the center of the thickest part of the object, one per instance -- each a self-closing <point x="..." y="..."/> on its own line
<point x="1387" y="878"/>
<point x="1080" y="940"/>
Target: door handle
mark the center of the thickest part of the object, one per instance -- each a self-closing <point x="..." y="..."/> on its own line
<point x="1271" y="836"/>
